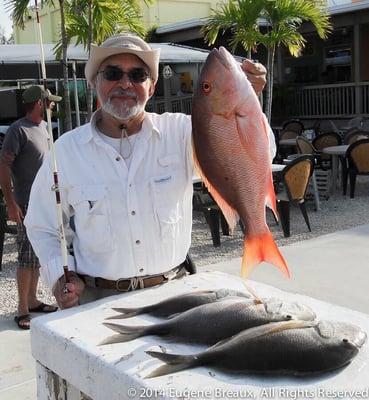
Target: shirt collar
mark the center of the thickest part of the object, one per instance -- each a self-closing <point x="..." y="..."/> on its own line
<point x="148" y="126"/>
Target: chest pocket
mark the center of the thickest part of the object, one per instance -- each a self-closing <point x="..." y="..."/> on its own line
<point x="92" y="218"/>
<point x="167" y="192"/>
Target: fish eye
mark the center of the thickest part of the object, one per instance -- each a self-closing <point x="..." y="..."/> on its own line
<point x="288" y="317"/>
<point x="206" y="87"/>
<point x="344" y="340"/>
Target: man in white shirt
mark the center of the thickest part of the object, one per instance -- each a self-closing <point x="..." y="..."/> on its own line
<point x="125" y="180"/>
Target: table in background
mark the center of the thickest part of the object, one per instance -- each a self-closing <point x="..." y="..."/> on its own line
<point x="335" y="152"/>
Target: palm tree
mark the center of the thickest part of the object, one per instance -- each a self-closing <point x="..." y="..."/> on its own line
<point x="92" y="21"/>
<point x="284" y="17"/>
<point x="241" y="18"/>
<point x="20" y="10"/>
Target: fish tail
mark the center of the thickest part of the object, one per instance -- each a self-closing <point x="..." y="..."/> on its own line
<point x="125" y="313"/>
<point x="128" y="333"/>
<point x="173" y="363"/>
<point x="260" y="248"/>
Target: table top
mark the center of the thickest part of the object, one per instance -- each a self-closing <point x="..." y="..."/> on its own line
<point x="336" y="150"/>
<point x="288" y="142"/>
<point x="107" y="372"/>
<point x="278" y="167"/>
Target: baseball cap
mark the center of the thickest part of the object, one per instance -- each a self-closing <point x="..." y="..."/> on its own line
<point x="36" y="92"/>
<point x="120" y="44"/>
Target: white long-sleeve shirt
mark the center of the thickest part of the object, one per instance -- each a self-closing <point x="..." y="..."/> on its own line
<point x="128" y="222"/>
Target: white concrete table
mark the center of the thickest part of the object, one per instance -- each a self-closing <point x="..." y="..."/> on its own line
<point x="70" y="362"/>
<point x="335" y="152"/>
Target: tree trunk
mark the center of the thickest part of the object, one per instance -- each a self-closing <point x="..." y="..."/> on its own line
<point x="90" y="38"/>
<point x="270" y="75"/>
<point x="67" y="125"/>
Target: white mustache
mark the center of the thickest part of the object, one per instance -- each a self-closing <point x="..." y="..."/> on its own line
<point x="122" y="92"/>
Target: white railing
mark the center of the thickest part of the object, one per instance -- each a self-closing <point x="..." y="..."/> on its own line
<point x="332" y="101"/>
<point x="317" y="101"/>
<point x="160" y="105"/>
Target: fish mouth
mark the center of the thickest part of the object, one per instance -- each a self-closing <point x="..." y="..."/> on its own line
<point x="222" y="56"/>
<point x="360" y="339"/>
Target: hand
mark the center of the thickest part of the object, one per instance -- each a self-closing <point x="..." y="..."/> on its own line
<point x="256" y="74"/>
<point x="69" y="298"/>
<point x="15" y="213"/>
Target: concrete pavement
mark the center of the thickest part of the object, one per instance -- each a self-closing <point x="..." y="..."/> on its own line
<point x="332" y="268"/>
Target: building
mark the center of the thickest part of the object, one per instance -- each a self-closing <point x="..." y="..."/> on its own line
<point x="161" y="12"/>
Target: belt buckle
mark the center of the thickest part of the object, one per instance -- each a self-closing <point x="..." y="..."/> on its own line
<point x="120" y="289"/>
<point x="170" y="274"/>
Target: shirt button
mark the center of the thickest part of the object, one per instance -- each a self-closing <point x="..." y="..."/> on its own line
<point x="133" y="212"/>
<point x="141" y="270"/>
<point x="117" y="158"/>
<point x="138" y="241"/>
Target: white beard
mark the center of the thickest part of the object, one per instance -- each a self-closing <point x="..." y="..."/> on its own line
<point x="122" y="111"/>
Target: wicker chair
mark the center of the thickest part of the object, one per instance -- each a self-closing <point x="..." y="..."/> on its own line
<point x="358" y="163"/>
<point x="293" y="125"/>
<point x="354" y="135"/>
<point x="295" y="178"/>
<point x="304" y="146"/>
<point x="327" y="139"/>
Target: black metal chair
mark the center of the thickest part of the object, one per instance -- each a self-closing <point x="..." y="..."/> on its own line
<point x="295" y="179"/>
<point x="358" y="163"/>
<point x="203" y="202"/>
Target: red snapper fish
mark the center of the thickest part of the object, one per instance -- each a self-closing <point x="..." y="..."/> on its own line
<point x="231" y="146"/>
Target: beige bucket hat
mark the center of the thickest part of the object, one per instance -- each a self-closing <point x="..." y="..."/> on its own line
<point x="120" y="44"/>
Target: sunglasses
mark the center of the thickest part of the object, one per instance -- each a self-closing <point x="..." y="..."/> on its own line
<point x="112" y="73"/>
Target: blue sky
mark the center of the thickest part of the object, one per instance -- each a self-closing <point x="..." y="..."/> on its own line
<point x="5" y="21"/>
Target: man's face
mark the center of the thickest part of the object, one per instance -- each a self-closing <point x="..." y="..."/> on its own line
<point x="123" y="98"/>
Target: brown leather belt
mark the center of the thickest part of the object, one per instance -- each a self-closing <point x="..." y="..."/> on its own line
<point x="135" y="283"/>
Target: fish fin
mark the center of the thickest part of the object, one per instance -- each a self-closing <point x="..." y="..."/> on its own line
<point x="230" y="214"/>
<point x="260" y="248"/>
<point x="174" y="363"/>
<point x="128" y="333"/>
<point x="112" y="339"/>
<point x="253" y="293"/>
<point x="270" y="199"/>
<point x="125" y="313"/>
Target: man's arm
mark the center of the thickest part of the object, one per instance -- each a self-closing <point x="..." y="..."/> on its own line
<point x="43" y="233"/>
<point x="14" y="211"/>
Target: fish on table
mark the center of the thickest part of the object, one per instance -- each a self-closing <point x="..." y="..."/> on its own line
<point x="178" y="304"/>
<point x="210" y="323"/>
<point x="231" y="152"/>
<point x="292" y="347"/>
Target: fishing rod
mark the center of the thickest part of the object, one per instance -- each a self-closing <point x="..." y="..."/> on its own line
<point x="55" y="187"/>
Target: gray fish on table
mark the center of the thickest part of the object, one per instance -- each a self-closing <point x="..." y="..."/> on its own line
<point x="210" y="323"/>
<point x="178" y="304"/>
<point x="292" y="348"/>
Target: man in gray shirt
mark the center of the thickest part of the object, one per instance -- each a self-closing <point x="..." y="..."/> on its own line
<point x="24" y="148"/>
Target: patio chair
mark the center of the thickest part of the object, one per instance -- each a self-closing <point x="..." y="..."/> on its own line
<point x="354" y="135"/>
<point x="326" y="126"/>
<point x="293" y="125"/>
<point x="358" y="163"/>
<point x="326" y="139"/>
<point x="203" y="202"/>
<point x="305" y="147"/>
<point x="295" y="179"/>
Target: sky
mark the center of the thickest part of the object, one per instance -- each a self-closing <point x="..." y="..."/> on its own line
<point x="5" y="21"/>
